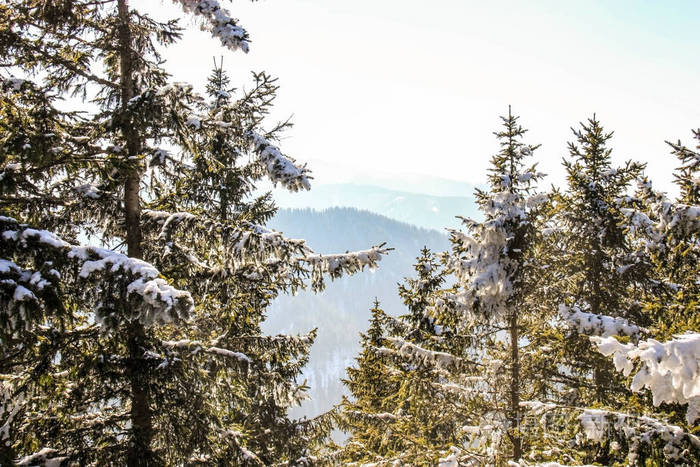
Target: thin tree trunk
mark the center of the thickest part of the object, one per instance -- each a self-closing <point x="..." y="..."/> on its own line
<point x="515" y="388"/>
<point x="599" y="379"/>
<point x="139" y="450"/>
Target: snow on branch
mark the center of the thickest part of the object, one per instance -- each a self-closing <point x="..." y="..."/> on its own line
<point x="664" y="218"/>
<point x="280" y="168"/>
<point x="221" y="24"/>
<point x="637" y="430"/>
<point x="9" y="407"/>
<point x="280" y="341"/>
<point x="600" y="425"/>
<point x="385" y="417"/>
<point x="483" y="262"/>
<point x="245" y="239"/>
<point x="258" y="242"/>
<point x="598" y="325"/>
<point x="686" y="217"/>
<point x="46" y="457"/>
<point x="441" y="360"/>
<point x="257" y="237"/>
<point x="670" y="370"/>
<point x="451" y="459"/>
<point x="336" y="265"/>
<point x="22" y="292"/>
<point x="197" y="346"/>
<point x="236" y="437"/>
<point x="156" y="300"/>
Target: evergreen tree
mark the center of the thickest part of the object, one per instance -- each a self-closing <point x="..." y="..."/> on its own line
<point x="468" y="343"/>
<point x="498" y="274"/>
<point x="599" y="277"/>
<point x="588" y="276"/>
<point x="409" y="413"/>
<point x="146" y="349"/>
<point x="364" y="416"/>
<point x="462" y="353"/>
<point x="666" y="362"/>
<point x="674" y="243"/>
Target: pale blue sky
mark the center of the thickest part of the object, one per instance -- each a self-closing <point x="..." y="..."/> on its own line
<point x="417" y="86"/>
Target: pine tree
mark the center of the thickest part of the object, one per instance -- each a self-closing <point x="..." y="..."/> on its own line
<point x="364" y="416"/>
<point x="410" y="413"/>
<point x="471" y="339"/>
<point x="498" y="277"/>
<point x="599" y="276"/>
<point x="586" y="252"/>
<point x="142" y="347"/>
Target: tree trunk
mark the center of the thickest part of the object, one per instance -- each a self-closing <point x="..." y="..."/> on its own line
<point x="599" y="379"/>
<point x="139" y="450"/>
<point x="514" y="416"/>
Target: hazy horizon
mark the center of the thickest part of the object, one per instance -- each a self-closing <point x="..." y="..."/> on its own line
<point x="412" y="87"/>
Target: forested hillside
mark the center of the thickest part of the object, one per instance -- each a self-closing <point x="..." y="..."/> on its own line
<point x="429" y="211"/>
<point x="342" y="311"/>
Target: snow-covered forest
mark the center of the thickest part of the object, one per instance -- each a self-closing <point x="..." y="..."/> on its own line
<point x="560" y="326"/>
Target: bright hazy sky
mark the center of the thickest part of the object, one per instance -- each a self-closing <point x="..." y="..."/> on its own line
<point x="417" y="86"/>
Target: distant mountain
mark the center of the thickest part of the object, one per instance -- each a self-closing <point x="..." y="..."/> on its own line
<point x="341" y="312"/>
<point x="326" y="173"/>
<point x="429" y="211"/>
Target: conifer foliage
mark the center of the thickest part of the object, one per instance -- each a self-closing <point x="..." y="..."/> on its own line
<point x="465" y="345"/>
<point x="597" y="281"/>
<point x="402" y="407"/>
<point x="135" y="266"/>
<point x="548" y="287"/>
<point x="497" y="273"/>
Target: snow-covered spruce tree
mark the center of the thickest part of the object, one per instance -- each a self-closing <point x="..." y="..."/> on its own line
<point x="600" y="276"/>
<point x="596" y="277"/>
<point x="667" y="362"/>
<point x="411" y="413"/>
<point x="495" y="302"/>
<point x="108" y="358"/>
<point x="240" y="273"/>
<point x="589" y="284"/>
<point x="670" y="235"/>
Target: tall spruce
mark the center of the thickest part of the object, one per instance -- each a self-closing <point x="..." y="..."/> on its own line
<point x="484" y="374"/>
<point x="135" y="265"/>
<point x="661" y="369"/>
<point x="592" y="287"/>
<point x="497" y="277"/>
<point x="599" y="277"/>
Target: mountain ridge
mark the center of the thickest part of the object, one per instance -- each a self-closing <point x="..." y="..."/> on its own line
<point x="423" y="210"/>
<point x="341" y="312"/>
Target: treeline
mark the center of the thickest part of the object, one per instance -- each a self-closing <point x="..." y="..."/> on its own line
<point x="513" y="363"/>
